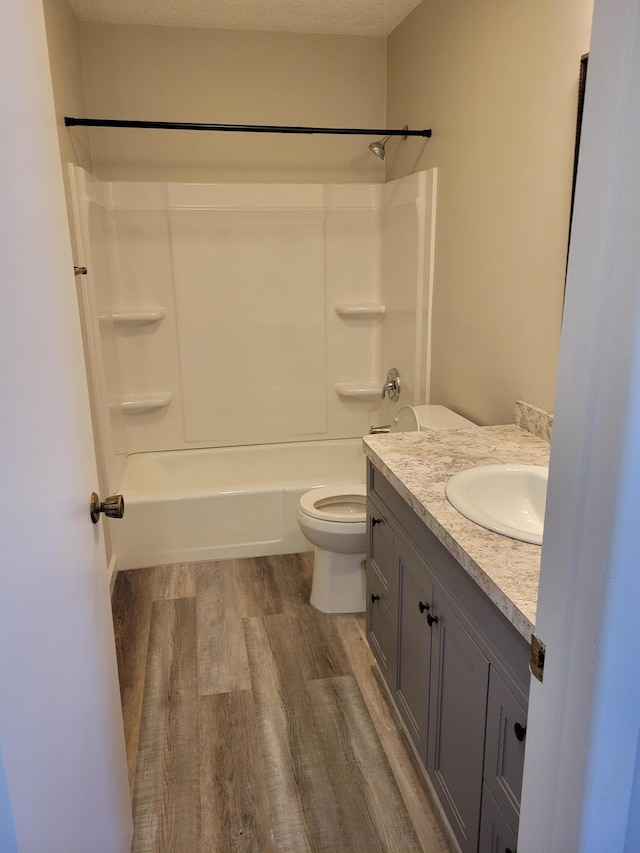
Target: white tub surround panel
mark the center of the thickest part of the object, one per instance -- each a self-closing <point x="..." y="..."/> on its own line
<point x="418" y="465"/>
<point x="352" y="269"/>
<point x="95" y="242"/>
<point x="250" y="303"/>
<point x="220" y="301"/>
<point x="408" y="222"/>
<point x="143" y="278"/>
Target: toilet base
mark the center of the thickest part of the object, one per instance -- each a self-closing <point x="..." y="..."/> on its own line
<point x="338" y="582"/>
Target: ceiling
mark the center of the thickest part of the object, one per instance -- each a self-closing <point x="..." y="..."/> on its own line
<point x="338" y="17"/>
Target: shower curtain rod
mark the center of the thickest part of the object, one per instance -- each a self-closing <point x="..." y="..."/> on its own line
<point x="241" y="128"/>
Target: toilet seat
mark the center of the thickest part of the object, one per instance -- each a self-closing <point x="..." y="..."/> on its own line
<point x="344" y="503"/>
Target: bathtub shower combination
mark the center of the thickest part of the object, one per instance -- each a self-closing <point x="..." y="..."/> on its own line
<point x="238" y="336"/>
<point x="225" y="502"/>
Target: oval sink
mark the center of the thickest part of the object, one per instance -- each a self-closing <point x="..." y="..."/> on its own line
<point x="508" y="499"/>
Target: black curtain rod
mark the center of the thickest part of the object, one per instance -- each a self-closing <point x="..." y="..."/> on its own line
<point x="242" y="128"/>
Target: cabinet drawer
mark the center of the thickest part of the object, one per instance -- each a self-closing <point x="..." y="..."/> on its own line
<point x="496" y="836"/>
<point x="382" y="629"/>
<point x="504" y="748"/>
<point x="380" y="554"/>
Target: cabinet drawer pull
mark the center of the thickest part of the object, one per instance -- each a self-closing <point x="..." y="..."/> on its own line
<point x="375" y="521"/>
<point x="431" y="619"/>
<point x="422" y="606"/>
<point x="519" y="731"/>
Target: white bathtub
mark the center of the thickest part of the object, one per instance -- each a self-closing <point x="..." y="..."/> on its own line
<point x="224" y="503"/>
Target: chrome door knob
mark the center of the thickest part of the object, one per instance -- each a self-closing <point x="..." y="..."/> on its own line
<point x="112" y="507"/>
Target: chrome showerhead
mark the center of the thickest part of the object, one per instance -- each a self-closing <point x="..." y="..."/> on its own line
<point x="377" y="147"/>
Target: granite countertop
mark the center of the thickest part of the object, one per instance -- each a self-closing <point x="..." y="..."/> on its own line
<point x="418" y="465"/>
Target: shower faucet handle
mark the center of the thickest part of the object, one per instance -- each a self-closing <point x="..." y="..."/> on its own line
<point x="392" y="386"/>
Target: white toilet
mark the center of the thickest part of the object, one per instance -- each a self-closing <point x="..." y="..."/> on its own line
<point x="412" y="418"/>
<point x="334" y="519"/>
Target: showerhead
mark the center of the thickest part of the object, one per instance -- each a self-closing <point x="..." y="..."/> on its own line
<point x="377" y="147"/>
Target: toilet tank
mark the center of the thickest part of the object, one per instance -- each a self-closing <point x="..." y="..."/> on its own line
<point x="412" y="418"/>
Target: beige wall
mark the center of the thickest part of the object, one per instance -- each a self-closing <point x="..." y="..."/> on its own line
<point x="497" y="82"/>
<point x="63" y="40"/>
<point x="177" y="74"/>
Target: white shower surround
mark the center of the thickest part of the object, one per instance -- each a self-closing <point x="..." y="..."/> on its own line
<point x="211" y="322"/>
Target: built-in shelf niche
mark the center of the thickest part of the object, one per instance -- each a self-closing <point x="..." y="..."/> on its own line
<point x="359" y="390"/>
<point x="360" y="310"/>
<point x="136" y="316"/>
<point x="137" y="404"/>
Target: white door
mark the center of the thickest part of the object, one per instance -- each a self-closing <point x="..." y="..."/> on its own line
<point x="63" y="777"/>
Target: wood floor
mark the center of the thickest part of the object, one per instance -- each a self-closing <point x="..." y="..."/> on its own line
<point x="255" y="723"/>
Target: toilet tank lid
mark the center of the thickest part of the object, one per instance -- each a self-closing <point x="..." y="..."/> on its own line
<point x="428" y="417"/>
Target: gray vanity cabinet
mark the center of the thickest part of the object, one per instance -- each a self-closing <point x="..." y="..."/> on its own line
<point x="457" y="717"/>
<point x="504" y="750"/>
<point x="496" y="834"/>
<point x="456" y="669"/>
<point x="382" y="593"/>
<point x="414" y="644"/>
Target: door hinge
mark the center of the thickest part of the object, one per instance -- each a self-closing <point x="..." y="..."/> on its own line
<point x="536" y="657"/>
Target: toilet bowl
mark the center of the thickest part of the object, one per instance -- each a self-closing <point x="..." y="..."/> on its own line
<point x="334" y="520"/>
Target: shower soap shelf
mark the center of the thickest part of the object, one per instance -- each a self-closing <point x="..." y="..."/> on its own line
<point x="137" y="404"/>
<point x="358" y="390"/>
<point x="359" y="310"/>
<point x="138" y="316"/>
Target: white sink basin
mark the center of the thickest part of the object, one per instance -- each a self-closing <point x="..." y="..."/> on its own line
<point x="508" y="499"/>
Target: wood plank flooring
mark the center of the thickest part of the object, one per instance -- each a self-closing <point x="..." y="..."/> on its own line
<point x="255" y="723"/>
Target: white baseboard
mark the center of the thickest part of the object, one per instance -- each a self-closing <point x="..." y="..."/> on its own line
<point x="112" y="573"/>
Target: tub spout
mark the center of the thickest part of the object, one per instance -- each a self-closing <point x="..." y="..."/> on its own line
<point x="380" y="430"/>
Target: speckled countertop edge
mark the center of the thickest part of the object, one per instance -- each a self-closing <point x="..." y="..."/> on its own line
<point x="418" y="465"/>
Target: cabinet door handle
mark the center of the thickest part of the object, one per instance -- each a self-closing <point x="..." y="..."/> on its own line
<point x="375" y="521"/>
<point x="519" y="731"/>
<point x="431" y="619"/>
<point x="374" y="598"/>
<point x="422" y="606"/>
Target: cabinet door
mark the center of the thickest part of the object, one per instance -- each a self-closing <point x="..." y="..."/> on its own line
<point x="414" y="644"/>
<point x="382" y="632"/>
<point x="380" y="539"/>
<point x="496" y="836"/>
<point x="457" y="715"/>
<point x="504" y="750"/>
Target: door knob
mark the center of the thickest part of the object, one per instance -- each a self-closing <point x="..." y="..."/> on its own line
<point x="112" y="507"/>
